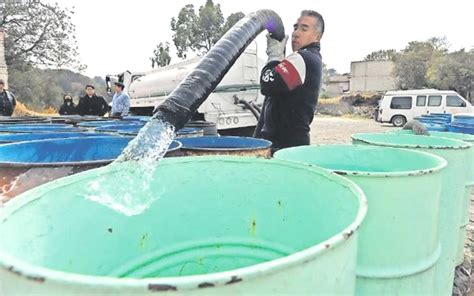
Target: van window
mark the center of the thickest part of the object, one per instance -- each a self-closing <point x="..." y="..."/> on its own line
<point x="401" y="103"/>
<point x="421" y="100"/>
<point x="434" y="101"/>
<point x="455" y="101"/>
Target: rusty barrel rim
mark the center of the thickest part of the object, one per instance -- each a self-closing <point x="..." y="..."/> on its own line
<point x="224" y="143"/>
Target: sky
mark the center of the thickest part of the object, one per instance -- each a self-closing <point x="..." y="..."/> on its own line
<point x="118" y="35"/>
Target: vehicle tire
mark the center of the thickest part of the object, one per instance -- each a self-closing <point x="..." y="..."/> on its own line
<point x="399" y="120"/>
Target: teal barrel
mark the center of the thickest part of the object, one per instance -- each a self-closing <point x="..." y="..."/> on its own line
<point x="394" y="258"/>
<point x="465" y="206"/>
<point x="458" y="156"/>
<point x="219" y="225"/>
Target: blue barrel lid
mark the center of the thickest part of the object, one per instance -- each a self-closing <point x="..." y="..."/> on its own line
<point x="35" y="125"/>
<point x="13" y="129"/>
<point x="100" y="123"/>
<point x="189" y="130"/>
<point x="11" y="138"/>
<point x="120" y="128"/>
<point x="136" y="118"/>
<point x="67" y="151"/>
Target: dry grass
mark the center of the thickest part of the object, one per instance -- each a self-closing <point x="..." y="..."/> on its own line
<point x="330" y="101"/>
<point x="22" y="110"/>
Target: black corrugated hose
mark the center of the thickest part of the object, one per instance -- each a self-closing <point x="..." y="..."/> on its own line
<point x="180" y="105"/>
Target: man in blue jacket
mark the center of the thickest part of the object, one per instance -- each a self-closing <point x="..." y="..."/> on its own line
<point x="120" y="101"/>
<point x="291" y="85"/>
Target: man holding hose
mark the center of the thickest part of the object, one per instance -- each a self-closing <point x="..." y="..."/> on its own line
<point x="291" y="85"/>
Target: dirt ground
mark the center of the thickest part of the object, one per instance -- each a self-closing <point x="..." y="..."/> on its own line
<point x="336" y="130"/>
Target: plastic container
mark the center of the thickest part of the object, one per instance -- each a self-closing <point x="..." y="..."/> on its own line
<point x="240" y="226"/>
<point x="458" y="156"/>
<point x="25" y="165"/>
<point x="403" y="189"/>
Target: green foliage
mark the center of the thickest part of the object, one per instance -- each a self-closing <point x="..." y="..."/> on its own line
<point x="454" y="71"/>
<point x="185" y="31"/>
<point x="412" y="63"/>
<point x="39" y="88"/>
<point x="198" y="32"/>
<point x="430" y="64"/>
<point x="326" y="74"/>
<point x="161" y="55"/>
<point x="39" y="34"/>
<point x="381" y="55"/>
<point x="231" y="20"/>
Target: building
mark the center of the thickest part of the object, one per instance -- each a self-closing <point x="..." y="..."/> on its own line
<point x="337" y="85"/>
<point x="372" y="76"/>
<point x="3" y="64"/>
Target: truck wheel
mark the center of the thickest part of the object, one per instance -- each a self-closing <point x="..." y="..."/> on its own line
<point x="399" y="120"/>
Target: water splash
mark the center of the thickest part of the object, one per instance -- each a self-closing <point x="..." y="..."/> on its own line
<point x="140" y="158"/>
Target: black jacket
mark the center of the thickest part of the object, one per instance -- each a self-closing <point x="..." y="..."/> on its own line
<point x="291" y="88"/>
<point x="7" y="103"/>
<point x="68" y="109"/>
<point x="94" y="105"/>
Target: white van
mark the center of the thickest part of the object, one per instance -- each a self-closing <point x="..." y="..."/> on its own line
<point x="398" y="107"/>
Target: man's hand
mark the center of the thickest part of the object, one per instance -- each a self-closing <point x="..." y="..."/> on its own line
<point x="275" y="48"/>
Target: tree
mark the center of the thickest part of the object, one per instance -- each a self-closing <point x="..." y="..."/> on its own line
<point x="454" y="71"/>
<point x="185" y="30"/>
<point x="199" y="32"/>
<point x="231" y="20"/>
<point x="381" y="55"/>
<point x="412" y="63"/>
<point x="161" y="55"/>
<point x="39" y="34"/>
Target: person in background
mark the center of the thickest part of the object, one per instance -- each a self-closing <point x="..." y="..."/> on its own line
<point x="120" y="101"/>
<point x="7" y="101"/>
<point x="92" y="104"/>
<point x="68" y="107"/>
<point x="291" y="84"/>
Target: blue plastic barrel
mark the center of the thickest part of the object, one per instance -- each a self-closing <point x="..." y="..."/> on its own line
<point x="23" y="119"/>
<point x="13" y="138"/>
<point x="436" y="127"/>
<point x="137" y="118"/>
<point x="101" y="123"/>
<point x="464" y="118"/>
<point x="182" y="133"/>
<point x="117" y="128"/>
<point x="447" y="116"/>
<point x="38" y="129"/>
<point x="461" y="127"/>
<point x="25" y="165"/>
<point x="436" y="120"/>
<point x="188" y="132"/>
<point x="34" y="125"/>
<point x="208" y="145"/>
<point x="444" y="119"/>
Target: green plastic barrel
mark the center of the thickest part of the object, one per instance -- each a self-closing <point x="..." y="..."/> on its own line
<point x="465" y="206"/>
<point x="458" y="156"/>
<point x="394" y="258"/>
<point x="230" y="226"/>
